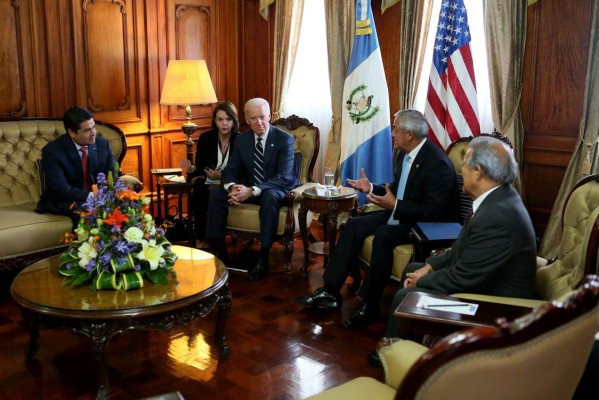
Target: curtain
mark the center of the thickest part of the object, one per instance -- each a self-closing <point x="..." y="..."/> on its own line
<point x="411" y="51"/>
<point x="505" y="26"/>
<point x="385" y="4"/>
<point x="288" y="18"/>
<point x="585" y="159"/>
<point x="263" y="7"/>
<point x="340" y="19"/>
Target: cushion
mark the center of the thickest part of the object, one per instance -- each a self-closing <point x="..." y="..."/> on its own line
<point x="359" y="388"/>
<point x="24" y="231"/>
<point x="402" y="256"/>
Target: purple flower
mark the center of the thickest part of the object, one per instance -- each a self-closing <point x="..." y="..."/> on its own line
<point x="105" y="258"/>
<point x="101" y="178"/>
<point x="91" y="265"/>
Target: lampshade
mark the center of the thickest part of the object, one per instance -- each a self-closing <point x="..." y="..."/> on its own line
<point x="187" y="82"/>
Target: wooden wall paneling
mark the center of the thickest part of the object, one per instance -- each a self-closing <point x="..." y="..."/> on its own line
<point x="191" y="35"/>
<point x="256" y="54"/>
<point x="14" y="56"/>
<point x="553" y="91"/>
<point x="228" y="46"/>
<point x="388" y="32"/>
<point x="55" y="52"/>
<point x="109" y="57"/>
<point x="138" y="150"/>
<point x="156" y="45"/>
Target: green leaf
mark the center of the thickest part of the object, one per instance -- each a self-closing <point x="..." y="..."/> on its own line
<point x="81" y="279"/>
<point x="74" y="270"/>
<point x="66" y="257"/>
<point x="157" y="276"/>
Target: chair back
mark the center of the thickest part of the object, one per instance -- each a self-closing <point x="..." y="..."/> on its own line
<point x="456" y="152"/>
<point x="541" y="355"/>
<point x="577" y="252"/>
<point x="307" y="145"/>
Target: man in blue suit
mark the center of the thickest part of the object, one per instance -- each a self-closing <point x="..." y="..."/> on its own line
<point x="67" y="187"/>
<point x="424" y="189"/>
<point x="260" y="171"/>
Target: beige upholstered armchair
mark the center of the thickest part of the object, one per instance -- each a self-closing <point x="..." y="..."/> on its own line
<point x="577" y="252"/>
<point x="243" y="220"/>
<point x="541" y="355"/>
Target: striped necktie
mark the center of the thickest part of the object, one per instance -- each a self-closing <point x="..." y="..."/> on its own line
<point x="259" y="162"/>
<point x="85" y="165"/>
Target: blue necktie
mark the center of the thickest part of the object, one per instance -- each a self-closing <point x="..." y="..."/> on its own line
<point x="401" y="186"/>
<point x="259" y="162"/>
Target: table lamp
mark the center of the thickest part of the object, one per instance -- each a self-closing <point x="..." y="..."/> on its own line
<point x="187" y="82"/>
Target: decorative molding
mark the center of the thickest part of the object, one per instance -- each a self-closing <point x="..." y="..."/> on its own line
<point x="180" y="9"/>
<point x="93" y="105"/>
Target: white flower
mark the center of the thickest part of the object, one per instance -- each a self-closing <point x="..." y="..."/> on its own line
<point x="86" y="253"/>
<point x="151" y="253"/>
<point x="147" y="217"/>
<point x="134" y="234"/>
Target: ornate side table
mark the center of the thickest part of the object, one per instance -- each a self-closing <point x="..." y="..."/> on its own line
<point x="330" y="203"/>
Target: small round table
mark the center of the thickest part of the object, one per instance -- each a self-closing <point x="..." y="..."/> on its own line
<point x="201" y="283"/>
<point x="329" y="203"/>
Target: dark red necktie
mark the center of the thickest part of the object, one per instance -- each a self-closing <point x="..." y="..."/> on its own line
<point x="84" y="163"/>
<point x="469" y="217"/>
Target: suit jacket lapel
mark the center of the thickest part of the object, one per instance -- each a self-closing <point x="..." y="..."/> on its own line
<point x="416" y="164"/>
<point x="92" y="162"/>
<point x="269" y="146"/>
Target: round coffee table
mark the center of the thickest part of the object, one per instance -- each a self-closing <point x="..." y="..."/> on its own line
<point x="200" y="284"/>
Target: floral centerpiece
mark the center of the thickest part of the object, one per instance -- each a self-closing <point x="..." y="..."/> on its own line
<point x="116" y="243"/>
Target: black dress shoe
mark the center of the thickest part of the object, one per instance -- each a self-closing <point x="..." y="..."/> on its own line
<point x="259" y="271"/>
<point x="321" y="299"/>
<point x="374" y="358"/>
<point x="361" y="317"/>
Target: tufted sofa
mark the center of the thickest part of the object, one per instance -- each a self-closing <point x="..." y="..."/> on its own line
<point x="25" y="235"/>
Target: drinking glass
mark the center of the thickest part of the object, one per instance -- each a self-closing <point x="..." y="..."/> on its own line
<point x="329" y="178"/>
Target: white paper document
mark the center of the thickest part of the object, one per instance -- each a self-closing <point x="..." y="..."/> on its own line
<point x="454" y="306"/>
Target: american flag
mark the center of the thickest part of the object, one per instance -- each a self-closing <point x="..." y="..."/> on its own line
<point x="451" y="104"/>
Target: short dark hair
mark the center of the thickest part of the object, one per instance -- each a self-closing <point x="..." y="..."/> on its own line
<point x="75" y="116"/>
<point x="231" y="111"/>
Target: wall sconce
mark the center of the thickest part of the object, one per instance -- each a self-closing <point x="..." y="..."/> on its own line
<point x="187" y="82"/>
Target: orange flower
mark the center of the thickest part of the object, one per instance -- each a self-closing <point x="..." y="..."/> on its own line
<point x="95" y="189"/>
<point x="116" y="218"/>
<point x="129" y="195"/>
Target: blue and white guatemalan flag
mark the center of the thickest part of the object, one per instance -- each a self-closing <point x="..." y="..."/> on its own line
<point x="365" y="127"/>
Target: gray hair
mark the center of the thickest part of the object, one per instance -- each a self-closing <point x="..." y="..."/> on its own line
<point x="413" y="121"/>
<point x="257" y="102"/>
<point x="495" y="158"/>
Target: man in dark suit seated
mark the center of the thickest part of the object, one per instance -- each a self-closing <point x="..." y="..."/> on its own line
<point x="495" y="253"/>
<point x="260" y="171"/>
<point x="71" y="164"/>
<point x="424" y="189"/>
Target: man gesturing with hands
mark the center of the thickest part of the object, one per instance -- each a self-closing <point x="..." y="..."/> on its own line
<point x="424" y="189"/>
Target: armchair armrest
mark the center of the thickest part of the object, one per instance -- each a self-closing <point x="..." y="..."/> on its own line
<point x="368" y="208"/>
<point x="398" y="358"/>
<point x="132" y="182"/>
<point x="512" y="301"/>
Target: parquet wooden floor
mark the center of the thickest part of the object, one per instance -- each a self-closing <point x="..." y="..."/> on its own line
<point x="279" y="349"/>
